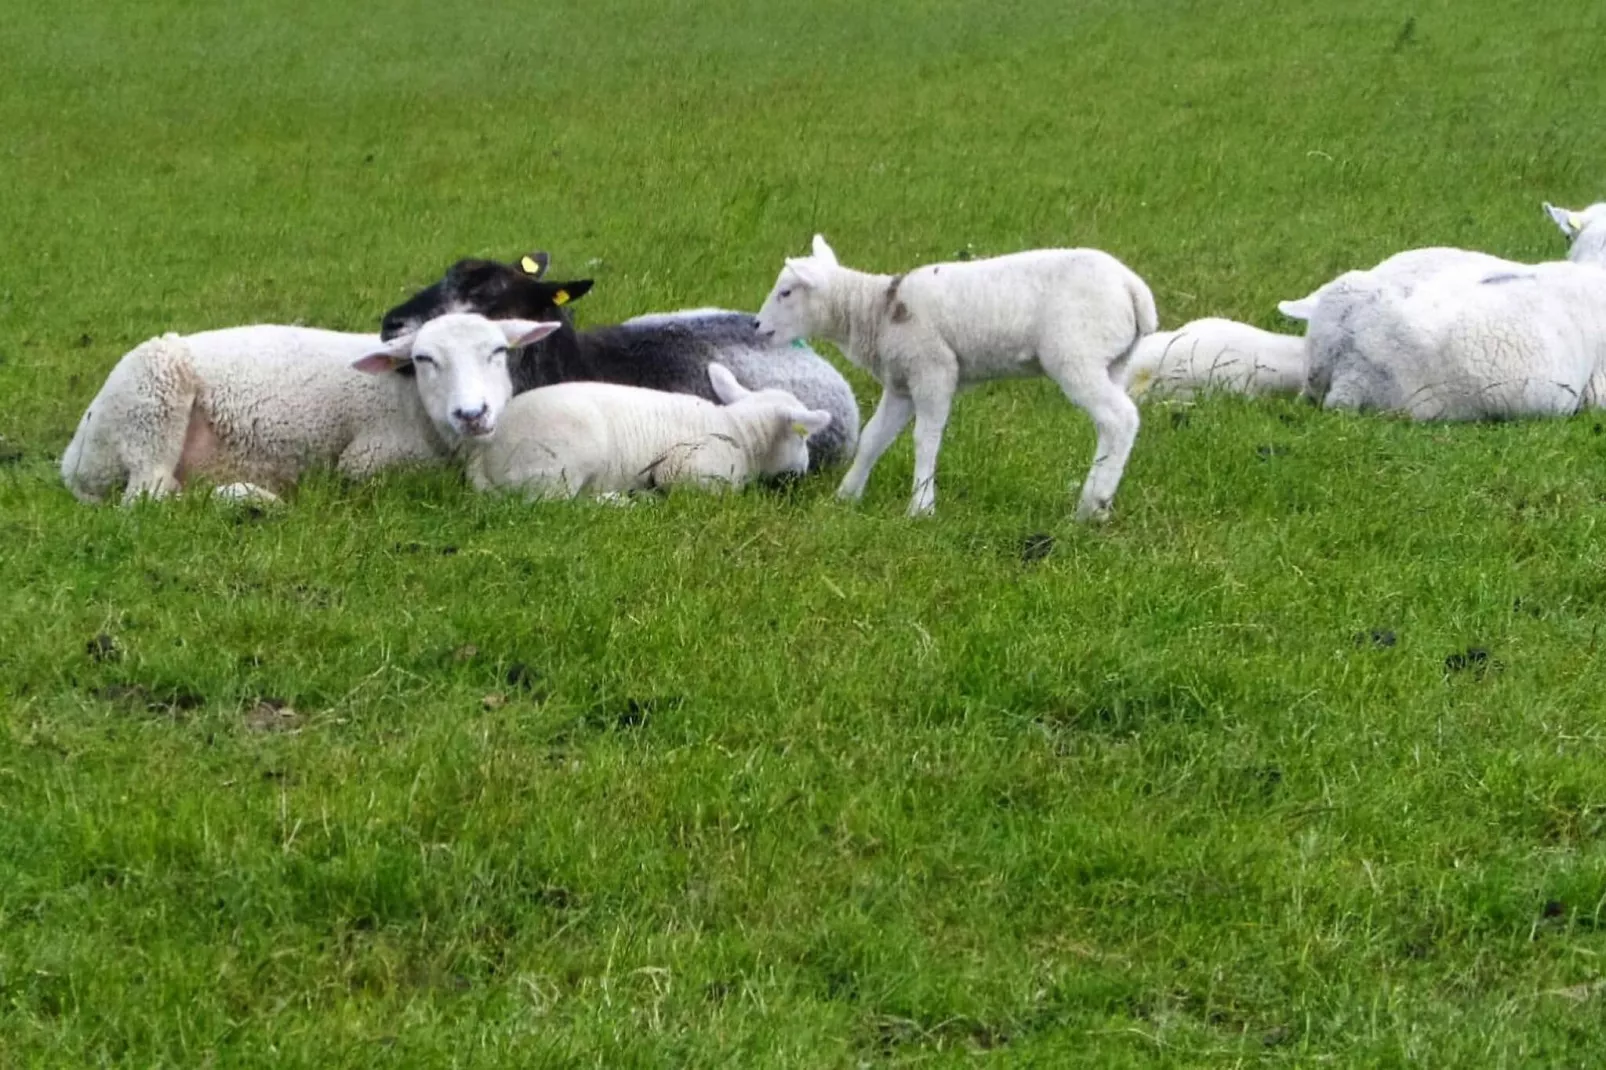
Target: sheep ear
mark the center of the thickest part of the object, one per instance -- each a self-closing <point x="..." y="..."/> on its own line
<point x="561" y="293"/>
<point x="525" y="332"/>
<point x="535" y="264"/>
<point x="1303" y="309"/>
<point x="396" y="353"/>
<point x="807" y="272"/>
<point x="806" y="422"/>
<point x="823" y="251"/>
<point x="1569" y="221"/>
<point x="726" y="388"/>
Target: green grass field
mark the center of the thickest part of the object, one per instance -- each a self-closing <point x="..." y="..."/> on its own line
<point x="1301" y="760"/>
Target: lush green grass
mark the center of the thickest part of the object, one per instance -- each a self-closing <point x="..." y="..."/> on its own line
<point x="399" y="775"/>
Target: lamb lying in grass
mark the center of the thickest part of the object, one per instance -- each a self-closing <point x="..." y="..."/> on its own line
<point x="1335" y="310"/>
<point x="1215" y="356"/>
<point x="605" y="439"/>
<point x="662" y="352"/>
<point x="1071" y="314"/>
<point x="1342" y="373"/>
<point x="1473" y="343"/>
<point x="262" y="404"/>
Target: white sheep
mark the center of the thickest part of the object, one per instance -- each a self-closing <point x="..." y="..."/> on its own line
<point x="1215" y="355"/>
<point x="255" y="406"/>
<point x="1334" y="309"/>
<point x="606" y="439"/>
<point x="1338" y="311"/>
<point x="1071" y="314"/>
<point x="1473" y="343"/>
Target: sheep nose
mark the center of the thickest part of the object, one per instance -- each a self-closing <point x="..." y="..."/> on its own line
<point x="467" y="417"/>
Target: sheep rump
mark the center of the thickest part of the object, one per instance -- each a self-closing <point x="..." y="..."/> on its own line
<point x="1215" y="356"/>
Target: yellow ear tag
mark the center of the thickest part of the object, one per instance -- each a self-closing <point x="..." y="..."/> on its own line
<point x="799" y="430"/>
<point x="1575" y="221"/>
<point x="561" y="297"/>
<point x="530" y="266"/>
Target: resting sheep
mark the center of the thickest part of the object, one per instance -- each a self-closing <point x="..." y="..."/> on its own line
<point x="1340" y="372"/>
<point x="661" y="352"/>
<point x="1071" y="314"/>
<point x="606" y="439"/>
<point x="1215" y="355"/>
<point x="261" y="404"/>
<point x="1472" y="343"/>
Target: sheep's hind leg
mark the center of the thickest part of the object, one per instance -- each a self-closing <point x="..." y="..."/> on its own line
<point x="891" y="416"/>
<point x="244" y="492"/>
<point x="158" y="420"/>
<point x="1115" y="419"/>
<point x="933" y="401"/>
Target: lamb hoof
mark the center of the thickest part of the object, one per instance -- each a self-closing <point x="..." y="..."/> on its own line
<point x="245" y="492"/>
<point x="919" y="509"/>
<point x="1092" y="512"/>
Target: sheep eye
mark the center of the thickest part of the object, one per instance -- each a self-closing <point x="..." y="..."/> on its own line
<point x="423" y="358"/>
<point x="786" y="293"/>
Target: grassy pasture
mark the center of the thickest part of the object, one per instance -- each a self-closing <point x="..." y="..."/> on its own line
<point x="1299" y="761"/>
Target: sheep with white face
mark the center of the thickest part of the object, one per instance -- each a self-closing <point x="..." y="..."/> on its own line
<point x="1071" y="314"/>
<point x="254" y="407"/>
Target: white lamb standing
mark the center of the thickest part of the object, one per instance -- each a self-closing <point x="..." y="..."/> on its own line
<point x="1071" y="314"/>
<point x="1215" y="356"/>
<point x="605" y="439"/>
<point x="251" y="408"/>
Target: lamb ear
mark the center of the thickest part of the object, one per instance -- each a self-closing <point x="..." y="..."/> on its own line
<point x="525" y="332"/>
<point x="726" y="388"/>
<point x="535" y="264"/>
<point x="823" y="251"/>
<point x="807" y="271"/>
<point x="396" y="353"/>
<point x="806" y="422"/>
<point x="1570" y="222"/>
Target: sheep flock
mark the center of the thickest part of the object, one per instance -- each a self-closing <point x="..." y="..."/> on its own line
<point x="485" y="369"/>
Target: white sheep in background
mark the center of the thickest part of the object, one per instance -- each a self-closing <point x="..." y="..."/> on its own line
<point x="1338" y="311"/>
<point x="1071" y="314"/>
<point x="605" y="439"/>
<point x="261" y="404"/>
<point x="1472" y="343"/>
<point x="1215" y="356"/>
<point x="1334" y="309"/>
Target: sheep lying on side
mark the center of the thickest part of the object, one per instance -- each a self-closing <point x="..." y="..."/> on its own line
<point x="661" y="352"/>
<point x="1215" y="355"/>
<point x="1071" y="314"/>
<point x="1471" y="343"/>
<point x="603" y="439"/>
<point x="262" y="404"/>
